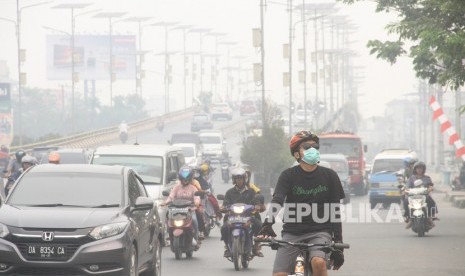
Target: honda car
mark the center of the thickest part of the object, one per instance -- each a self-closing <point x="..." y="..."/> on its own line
<point x="79" y="220"/>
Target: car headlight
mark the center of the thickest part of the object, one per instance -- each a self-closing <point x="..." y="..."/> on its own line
<point x="3" y="230"/>
<point x="108" y="230"/>
<point x="238" y="209"/>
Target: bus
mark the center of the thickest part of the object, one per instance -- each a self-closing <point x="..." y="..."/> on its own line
<point x="350" y="145"/>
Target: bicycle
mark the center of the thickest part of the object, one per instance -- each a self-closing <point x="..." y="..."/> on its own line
<point x="302" y="261"/>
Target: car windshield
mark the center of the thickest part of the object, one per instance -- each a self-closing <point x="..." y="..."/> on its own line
<point x="347" y="147"/>
<point x="69" y="158"/>
<point x="390" y="165"/>
<point x="148" y="167"/>
<point x="338" y="166"/>
<point x="200" y="118"/>
<point x="210" y="139"/>
<point x="188" y="151"/>
<point x="68" y="189"/>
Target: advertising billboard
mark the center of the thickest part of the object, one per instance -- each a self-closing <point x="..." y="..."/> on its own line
<point x="6" y="117"/>
<point x="91" y="57"/>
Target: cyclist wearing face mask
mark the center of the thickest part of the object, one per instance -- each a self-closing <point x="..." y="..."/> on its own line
<point x="314" y="187"/>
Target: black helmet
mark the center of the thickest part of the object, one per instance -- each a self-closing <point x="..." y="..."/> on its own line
<point x="19" y="155"/>
<point x="419" y="164"/>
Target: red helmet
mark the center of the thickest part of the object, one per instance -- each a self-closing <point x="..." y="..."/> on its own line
<point x="300" y="137"/>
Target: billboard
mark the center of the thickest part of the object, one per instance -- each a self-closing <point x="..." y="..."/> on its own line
<point x="6" y="117"/>
<point x="92" y="57"/>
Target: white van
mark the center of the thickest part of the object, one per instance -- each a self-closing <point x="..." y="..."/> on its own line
<point x="214" y="145"/>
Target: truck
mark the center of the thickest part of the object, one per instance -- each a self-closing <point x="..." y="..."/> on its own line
<point x="350" y="145"/>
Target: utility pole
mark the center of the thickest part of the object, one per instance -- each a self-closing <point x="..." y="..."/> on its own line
<point x="262" y="50"/>
<point x="290" y="67"/>
<point x="304" y="36"/>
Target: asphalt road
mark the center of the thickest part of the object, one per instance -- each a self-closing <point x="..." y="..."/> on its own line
<point x="377" y="248"/>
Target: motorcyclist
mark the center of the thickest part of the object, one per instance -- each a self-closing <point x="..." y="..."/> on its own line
<point x="15" y="164"/>
<point x="26" y="162"/>
<point x="201" y="177"/>
<point x="408" y="167"/>
<point x="123" y="131"/>
<point x="419" y="170"/>
<point x="240" y="193"/>
<point x="317" y="187"/>
<point x="184" y="189"/>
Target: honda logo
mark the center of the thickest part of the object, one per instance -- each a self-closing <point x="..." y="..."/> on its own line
<point x="48" y="236"/>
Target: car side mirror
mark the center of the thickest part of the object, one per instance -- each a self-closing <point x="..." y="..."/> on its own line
<point x="143" y="203"/>
<point x="220" y="197"/>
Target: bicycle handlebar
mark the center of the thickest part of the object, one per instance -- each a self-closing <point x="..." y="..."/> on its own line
<point x="303" y="245"/>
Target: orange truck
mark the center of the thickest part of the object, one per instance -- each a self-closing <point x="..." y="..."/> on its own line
<point x="350" y="145"/>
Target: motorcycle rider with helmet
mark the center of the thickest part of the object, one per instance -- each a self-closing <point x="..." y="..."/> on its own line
<point x="310" y="184"/>
<point x="184" y="189"/>
<point x="240" y="193"/>
<point x="26" y="162"/>
<point x="419" y="170"/>
<point x="15" y="164"/>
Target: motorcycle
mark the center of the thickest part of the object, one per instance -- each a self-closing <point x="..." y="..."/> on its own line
<point x="418" y="208"/>
<point x="225" y="172"/>
<point x="123" y="136"/>
<point x="181" y="228"/>
<point x="210" y="217"/>
<point x="240" y="236"/>
<point x="160" y="126"/>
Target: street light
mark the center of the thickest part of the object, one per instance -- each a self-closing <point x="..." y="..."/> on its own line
<point x="20" y="59"/>
<point x="184" y="28"/>
<point x="110" y="16"/>
<point x="202" y="32"/>
<point x="228" y="72"/>
<point x="167" y="63"/>
<point x="192" y="54"/>
<point x="72" y="7"/>
<point x="216" y="35"/>
<point x="140" y="53"/>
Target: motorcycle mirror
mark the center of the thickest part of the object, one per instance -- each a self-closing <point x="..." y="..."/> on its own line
<point x="165" y="193"/>
<point x="220" y="197"/>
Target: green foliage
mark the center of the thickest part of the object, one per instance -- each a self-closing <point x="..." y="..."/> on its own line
<point x="267" y="153"/>
<point x="436" y="31"/>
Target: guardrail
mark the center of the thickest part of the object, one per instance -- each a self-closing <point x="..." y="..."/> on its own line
<point x="97" y="137"/>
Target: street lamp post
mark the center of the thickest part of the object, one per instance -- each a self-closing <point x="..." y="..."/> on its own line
<point x="18" y="37"/>
<point x="72" y="7"/>
<point x="202" y="32"/>
<point x="110" y="16"/>
<point x="228" y="65"/>
<point x="215" y="74"/>
<point x="167" y="63"/>
<point x="140" y="53"/>
<point x="192" y="54"/>
<point x="185" y="30"/>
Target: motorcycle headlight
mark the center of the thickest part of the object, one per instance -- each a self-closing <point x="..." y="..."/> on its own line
<point x="238" y="209"/>
<point x="3" y="230"/>
<point x="108" y="230"/>
<point x="178" y="222"/>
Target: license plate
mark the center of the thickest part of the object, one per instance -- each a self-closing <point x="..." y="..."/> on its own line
<point x="393" y="193"/>
<point x="46" y="251"/>
<point x="238" y="219"/>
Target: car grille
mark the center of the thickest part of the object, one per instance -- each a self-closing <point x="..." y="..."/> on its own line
<point x="71" y="245"/>
<point x="47" y="271"/>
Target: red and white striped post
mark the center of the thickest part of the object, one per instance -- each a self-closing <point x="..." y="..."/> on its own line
<point x="446" y="126"/>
